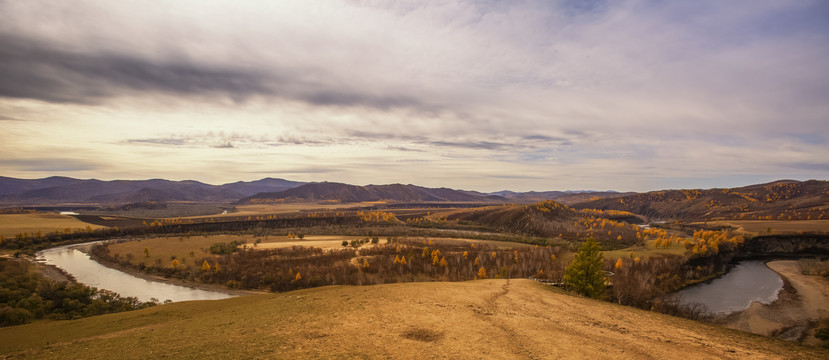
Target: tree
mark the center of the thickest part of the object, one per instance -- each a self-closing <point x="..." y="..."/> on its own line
<point x="619" y="264"/>
<point x="585" y="275"/>
<point x="174" y="263"/>
<point x="147" y="251"/>
<point x="482" y="273"/>
<point x="205" y="266"/>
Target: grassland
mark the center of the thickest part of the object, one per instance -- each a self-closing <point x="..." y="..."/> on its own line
<point x="645" y="250"/>
<point x="777" y="226"/>
<point x="186" y="249"/>
<point x="12" y="224"/>
<point x="286" y="208"/>
<point x="477" y="319"/>
<point x="163" y="248"/>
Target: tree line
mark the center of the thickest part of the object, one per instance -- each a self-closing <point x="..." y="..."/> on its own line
<point x="26" y="295"/>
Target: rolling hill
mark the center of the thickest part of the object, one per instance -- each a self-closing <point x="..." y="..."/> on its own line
<point x="564" y="197"/>
<point x="785" y="199"/>
<point x="552" y="219"/>
<point x="489" y="319"/>
<point x="64" y="190"/>
<point x="330" y="191"/>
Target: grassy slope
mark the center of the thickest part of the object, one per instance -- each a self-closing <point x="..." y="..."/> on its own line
<point x="477" y="319"/>
<point x="11" y="224"/>
<point x="645" y="250"/>
<point x="809" y="198"/>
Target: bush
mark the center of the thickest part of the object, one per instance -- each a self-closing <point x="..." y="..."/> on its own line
<point x="14" y="316"/>
<point x="222" y="248"/>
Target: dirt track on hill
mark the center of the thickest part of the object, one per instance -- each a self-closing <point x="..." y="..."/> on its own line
<point x="486" y="319"/>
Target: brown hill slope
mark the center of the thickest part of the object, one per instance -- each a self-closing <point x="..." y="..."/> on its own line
<point x="786" y="199"/>
<point x="564" y="197"/>
<point x="490" y="319"/>
<point x="551" y="219"/>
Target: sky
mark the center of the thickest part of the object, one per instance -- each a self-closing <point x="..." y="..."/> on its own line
<point x="476" y="95"/>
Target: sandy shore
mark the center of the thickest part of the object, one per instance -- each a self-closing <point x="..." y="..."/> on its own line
<point x="802" y="302"/>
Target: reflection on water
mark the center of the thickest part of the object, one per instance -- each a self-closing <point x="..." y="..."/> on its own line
<point x="747" y="282"/>
<point x="91" y="273"/>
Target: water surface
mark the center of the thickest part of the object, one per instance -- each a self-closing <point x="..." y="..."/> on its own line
<point x="746" y="282"/>
<point x="91" y="273"/>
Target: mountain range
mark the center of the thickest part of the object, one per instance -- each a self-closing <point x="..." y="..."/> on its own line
<point x="68" y="190"/>
<point x="57" y="189"/>
<point x="328" y="191"/>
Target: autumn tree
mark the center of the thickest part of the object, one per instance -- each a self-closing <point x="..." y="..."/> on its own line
<point x="147" y="251"/>
<point x="585" y="275"/>
<point x="482" y="273"/>
<point x="174" y="264"/>
<point x="205" y="266"/>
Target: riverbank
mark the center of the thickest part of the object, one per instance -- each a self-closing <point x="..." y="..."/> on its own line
<point x="803" y="300"/>
<point x="172" y="281"/>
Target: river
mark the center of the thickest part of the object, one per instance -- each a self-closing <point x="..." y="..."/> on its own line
<point x="91" y="273"/>
<point x="748" y="281"/>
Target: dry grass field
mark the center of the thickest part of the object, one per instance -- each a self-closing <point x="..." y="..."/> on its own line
<point x="187" y="249"/>
<point x="645" y="251"/>
<point x="287" y="208"/>
<point x="12" y="224"/>
<point x="777" y="226"/>
<point x="484" y="319"/>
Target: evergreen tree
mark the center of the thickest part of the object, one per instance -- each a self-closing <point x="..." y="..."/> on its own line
<point x="585" y="275"/>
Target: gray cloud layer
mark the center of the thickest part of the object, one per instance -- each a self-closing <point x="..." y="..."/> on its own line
<point x="566" y="87"/>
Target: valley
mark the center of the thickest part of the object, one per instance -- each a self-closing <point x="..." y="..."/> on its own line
<point x="348" y="242"/>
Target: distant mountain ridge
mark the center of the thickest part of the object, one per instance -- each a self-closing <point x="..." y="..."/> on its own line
<point x="63" y="190"/>
<point x="332" y="191"/>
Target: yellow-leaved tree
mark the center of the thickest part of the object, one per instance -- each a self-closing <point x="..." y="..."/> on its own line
<point x="482" y="273"/>
<point x="205" y="266"/>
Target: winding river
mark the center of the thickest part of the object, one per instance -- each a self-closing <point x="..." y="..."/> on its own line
<point x="748" y="281"/>
<point x="91" y="273"/>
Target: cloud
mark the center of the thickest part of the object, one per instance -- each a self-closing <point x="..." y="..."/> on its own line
<point x="158" y="141"/>
<point x="8" y="118"/>
<point x="578" y="92"/>
<point x="50" y="164"/>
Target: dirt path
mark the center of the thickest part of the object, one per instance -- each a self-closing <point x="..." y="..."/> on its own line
<point x="803" y="300"/>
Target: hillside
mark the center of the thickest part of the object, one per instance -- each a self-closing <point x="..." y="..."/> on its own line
<point x="786" y="200"/>
<point x="63" y="190"/>
<point x="564" y="197"/>
<point x="551" y="219"/>
<point x="329" y="191"/>
<point x="468" y="320"/>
